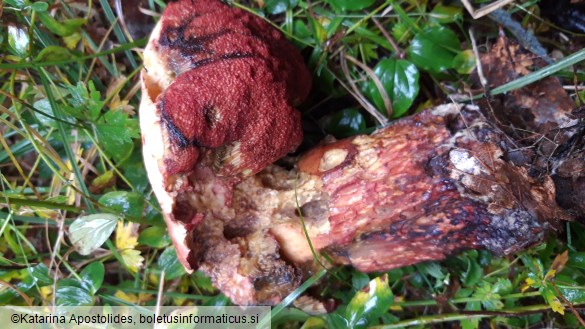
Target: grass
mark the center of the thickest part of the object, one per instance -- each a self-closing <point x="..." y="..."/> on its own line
<point x="69" y="92"/>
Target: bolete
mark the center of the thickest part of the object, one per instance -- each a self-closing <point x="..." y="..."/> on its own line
<point x="219" y="90"/>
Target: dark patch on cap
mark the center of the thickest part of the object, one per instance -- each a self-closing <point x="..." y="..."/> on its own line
<point x="174" y="37"/>
<point x="177" y="137"/>
<point x="224" y="57"/>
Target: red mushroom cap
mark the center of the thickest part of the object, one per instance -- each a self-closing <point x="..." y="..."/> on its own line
<point x="234" y="82"/>
<point x="233" y="109"/>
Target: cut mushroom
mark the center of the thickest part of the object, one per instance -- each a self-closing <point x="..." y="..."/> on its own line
<point x="219" y="87"/>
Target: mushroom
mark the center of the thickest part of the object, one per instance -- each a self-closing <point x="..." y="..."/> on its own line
<point x="224" y="84"/>
<point x="219" y="86"/>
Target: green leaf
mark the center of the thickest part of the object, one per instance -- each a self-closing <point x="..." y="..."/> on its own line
<point x="88" y="233"/>
<point x="154" y="236"/>
<point x="44" y="106"/>
<point x="490" y="294"/>
<point x="131" y="204"/>
<point x="434" y="49"/>
<point x="135" y="173"/>
<point x="153" y="216"/>
<point x="333" y="25"/>
<point x="484" y="258"/>
<point x="52" y="53"/>
<point x="502" y="286"/>
<point x="473" y="274"/>
<point x="416" y="280"/>
<point x="115" y="132"/>
<point x="18" y="40"/>
<point x="571" y="321"/>
<point x="431" y="268"/>
<point x="401" y="31"/>
<point x="464" y="62"/>
<point x="62" y="29"/>
<point x="95" y="96"/>
<point x="359" y="280"/>
<point x="202" y="282"/>
<point x="534" y="265"/>
<point x="8" y="294"/>
<point x="275" y="7"/>
<point x="314" y="323"/>
<point x="446" y="14"/>
<point x="19" y="4"/>
<point x="336" y="320"/>
<point x="301" y="31"/>
<point x="319" y="33"/>
<point x="368" y="50"/>
<point x="41" y="275"/>
<point x="39" y="6"/>
<point x="474" y="322"/>
<point x="103" y="181"/>
<point x="574" y="294"/>
<point x="369" y="303"/>
<point x="344" y="123"/>
<point x="551" y="299"/>
<point x="92" y="277"/>
<point x="218" y="300"/>
<point x="28" y="278"/>
<point x="345" y="5"/>
<point x="71" y="293"/>
<point x="84" y="101"/>
<point x="72" y="40"/>
<point x="169" y="263"/>
<point x="400" y="81"/>
<point x="577" y="259"/>
<point x="405" y="17"/>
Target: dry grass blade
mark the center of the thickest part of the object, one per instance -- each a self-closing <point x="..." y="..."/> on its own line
<point x="485" y="10"/>
<point x="377" y="82"/>
<point x="357" y="94"/>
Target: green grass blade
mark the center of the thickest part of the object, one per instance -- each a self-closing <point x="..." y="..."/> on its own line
<point x="57" y="109"/>
<point x="536" y="75"/>
<point x="117" y="30"/>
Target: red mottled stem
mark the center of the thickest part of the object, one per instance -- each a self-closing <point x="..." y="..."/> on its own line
<point x="420" y="189"/>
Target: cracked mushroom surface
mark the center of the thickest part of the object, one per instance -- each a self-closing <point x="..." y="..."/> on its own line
<point x="219" y="87"/>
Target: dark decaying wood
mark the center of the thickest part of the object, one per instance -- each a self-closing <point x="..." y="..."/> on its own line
<point x="541" y="119"/>
<point x="448" y="179"/>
